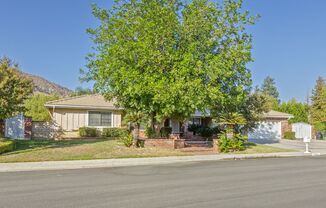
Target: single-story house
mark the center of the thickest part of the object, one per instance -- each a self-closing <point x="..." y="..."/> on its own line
<point x="87" y="110"/>
<point x="272" y="128"/>
<point x="94" y="111"/>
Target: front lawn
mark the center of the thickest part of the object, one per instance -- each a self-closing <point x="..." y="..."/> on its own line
<point x="32" y="151"/>
<point x="87" y="149"/>
<point x="252" y="148"/>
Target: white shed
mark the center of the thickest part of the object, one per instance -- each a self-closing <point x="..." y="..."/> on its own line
<point x="302" y="130"/>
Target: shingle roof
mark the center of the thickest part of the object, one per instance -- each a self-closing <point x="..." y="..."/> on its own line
<point x="83" y="102"/>
<point x="276" y="114"/>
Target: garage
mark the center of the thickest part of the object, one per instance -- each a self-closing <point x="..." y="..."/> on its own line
<point x="271" y="129"/>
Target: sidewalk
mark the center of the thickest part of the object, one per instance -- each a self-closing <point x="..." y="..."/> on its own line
<point x="109" y="163"/>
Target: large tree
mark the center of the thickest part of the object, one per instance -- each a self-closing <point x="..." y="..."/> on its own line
<point x="318" y="105"/>
<point x="269" y="88"/>
<point x="300" y="111"/>
<point x="35" y="107"/>
<point x="167" y="58"/>
<point x="14" y="89"/>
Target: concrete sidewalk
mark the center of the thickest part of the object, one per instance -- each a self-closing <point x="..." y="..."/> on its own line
<point x="107" y="163"/>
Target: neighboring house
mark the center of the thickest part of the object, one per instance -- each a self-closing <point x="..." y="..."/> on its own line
<point x="87" y="110"/>
<point x="272" y="128"/>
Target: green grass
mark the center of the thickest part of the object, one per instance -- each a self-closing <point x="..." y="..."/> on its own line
<point x="252" y="148"/>
<point x="87" y="149"/>
<point x="83" y="149"/>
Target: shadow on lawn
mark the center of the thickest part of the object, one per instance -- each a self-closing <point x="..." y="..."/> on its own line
<point x="31" y="145"/>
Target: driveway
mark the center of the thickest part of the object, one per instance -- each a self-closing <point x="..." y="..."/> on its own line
<point x="275" y="182"/>
<point x="316" y="146"/>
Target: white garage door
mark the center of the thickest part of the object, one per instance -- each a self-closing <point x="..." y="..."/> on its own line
<point x="269" y="131"/>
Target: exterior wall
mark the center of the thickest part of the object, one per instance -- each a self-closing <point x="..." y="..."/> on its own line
<point x="73" y="119"/>
<point x="285" y="127"/>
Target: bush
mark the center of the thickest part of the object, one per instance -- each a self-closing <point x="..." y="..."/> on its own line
<point x="217" y="130"/>
<point x="115" y="132"/>
<point x="165" y="131"/>
<point x="149" y="132"/>
<point x="237" y="143"/>
<point x="127" y="140"/>
<point x="194" y="128"/>
<point x="289" y="135"/>
<point x="87" y="132"/>
<point x="205" y="131"/>
<point x="7" y="145"/>
<point x="140" y="143"/>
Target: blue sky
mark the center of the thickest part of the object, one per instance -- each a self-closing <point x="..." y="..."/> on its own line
<point x="48" y="38"/>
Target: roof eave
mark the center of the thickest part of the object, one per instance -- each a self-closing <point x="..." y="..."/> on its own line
<point x="82" y="107"/>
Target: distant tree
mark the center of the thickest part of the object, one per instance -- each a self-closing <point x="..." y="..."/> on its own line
<point x="318" y="105"/>
<point x="35" y="107"/>
<point x="168" y="58"/>
<point x="82" y="91"/>
<point x="14" y="89"/>
<point x="299" y="110"/>
<point x="269" y="88"/>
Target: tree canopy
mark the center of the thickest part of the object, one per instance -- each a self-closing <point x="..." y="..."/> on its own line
<point x="14" y="89"/>
<point x="169" y="58"/>
<point x="318" y="105"/>
<point x="299" y="110"/>
<point x="269" y="88"/>
<point x="35" y="107"/>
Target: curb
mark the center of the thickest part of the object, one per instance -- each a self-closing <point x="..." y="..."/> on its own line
<point x="110" y="163"/>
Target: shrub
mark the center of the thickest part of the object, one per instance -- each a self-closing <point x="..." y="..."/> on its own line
<point x="140" y="143"/>
<point x="165" y="131"/>
<point x="289" y="135"/>
<point x="149" y="132"/>
<point x="7" y="145"/>
<point x="87" y="132"/>
<point x="194" y="128"/>
<point x="236" y="143"/>
<point x="115" y="132"/>
<point x="127" y="140"/>
<point x="205" y="131"/>
<point x="217" y="130"/>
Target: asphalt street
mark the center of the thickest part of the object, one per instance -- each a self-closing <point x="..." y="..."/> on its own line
<point x="275" y="182"/>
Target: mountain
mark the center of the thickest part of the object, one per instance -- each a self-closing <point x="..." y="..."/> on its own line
<point x="42" y="85"/>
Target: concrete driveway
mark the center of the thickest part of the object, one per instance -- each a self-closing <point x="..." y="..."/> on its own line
<point x="316" y="146"/>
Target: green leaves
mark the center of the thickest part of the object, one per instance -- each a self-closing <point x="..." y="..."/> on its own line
<point x="14" y="89"/>
<point x="167" y="58"/>
<point x="35" y="107"/>
<point x="318" y="105"/>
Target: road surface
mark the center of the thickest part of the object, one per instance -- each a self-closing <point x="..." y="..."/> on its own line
<point x="276" y="182"/>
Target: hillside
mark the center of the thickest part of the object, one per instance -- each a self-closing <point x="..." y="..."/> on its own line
<point x="42" y="85"/>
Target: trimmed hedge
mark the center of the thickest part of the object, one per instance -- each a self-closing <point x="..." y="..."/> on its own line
<point x="289" y="135"/>
<point x="7" y="145"/>
<point x="115" y="132"/>
<point x="87" y="132"/>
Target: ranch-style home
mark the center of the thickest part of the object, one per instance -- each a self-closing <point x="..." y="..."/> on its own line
<point x="94" y="111"/>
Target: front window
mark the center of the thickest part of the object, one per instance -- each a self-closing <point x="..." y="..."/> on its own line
<point x="99" y="118"/>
